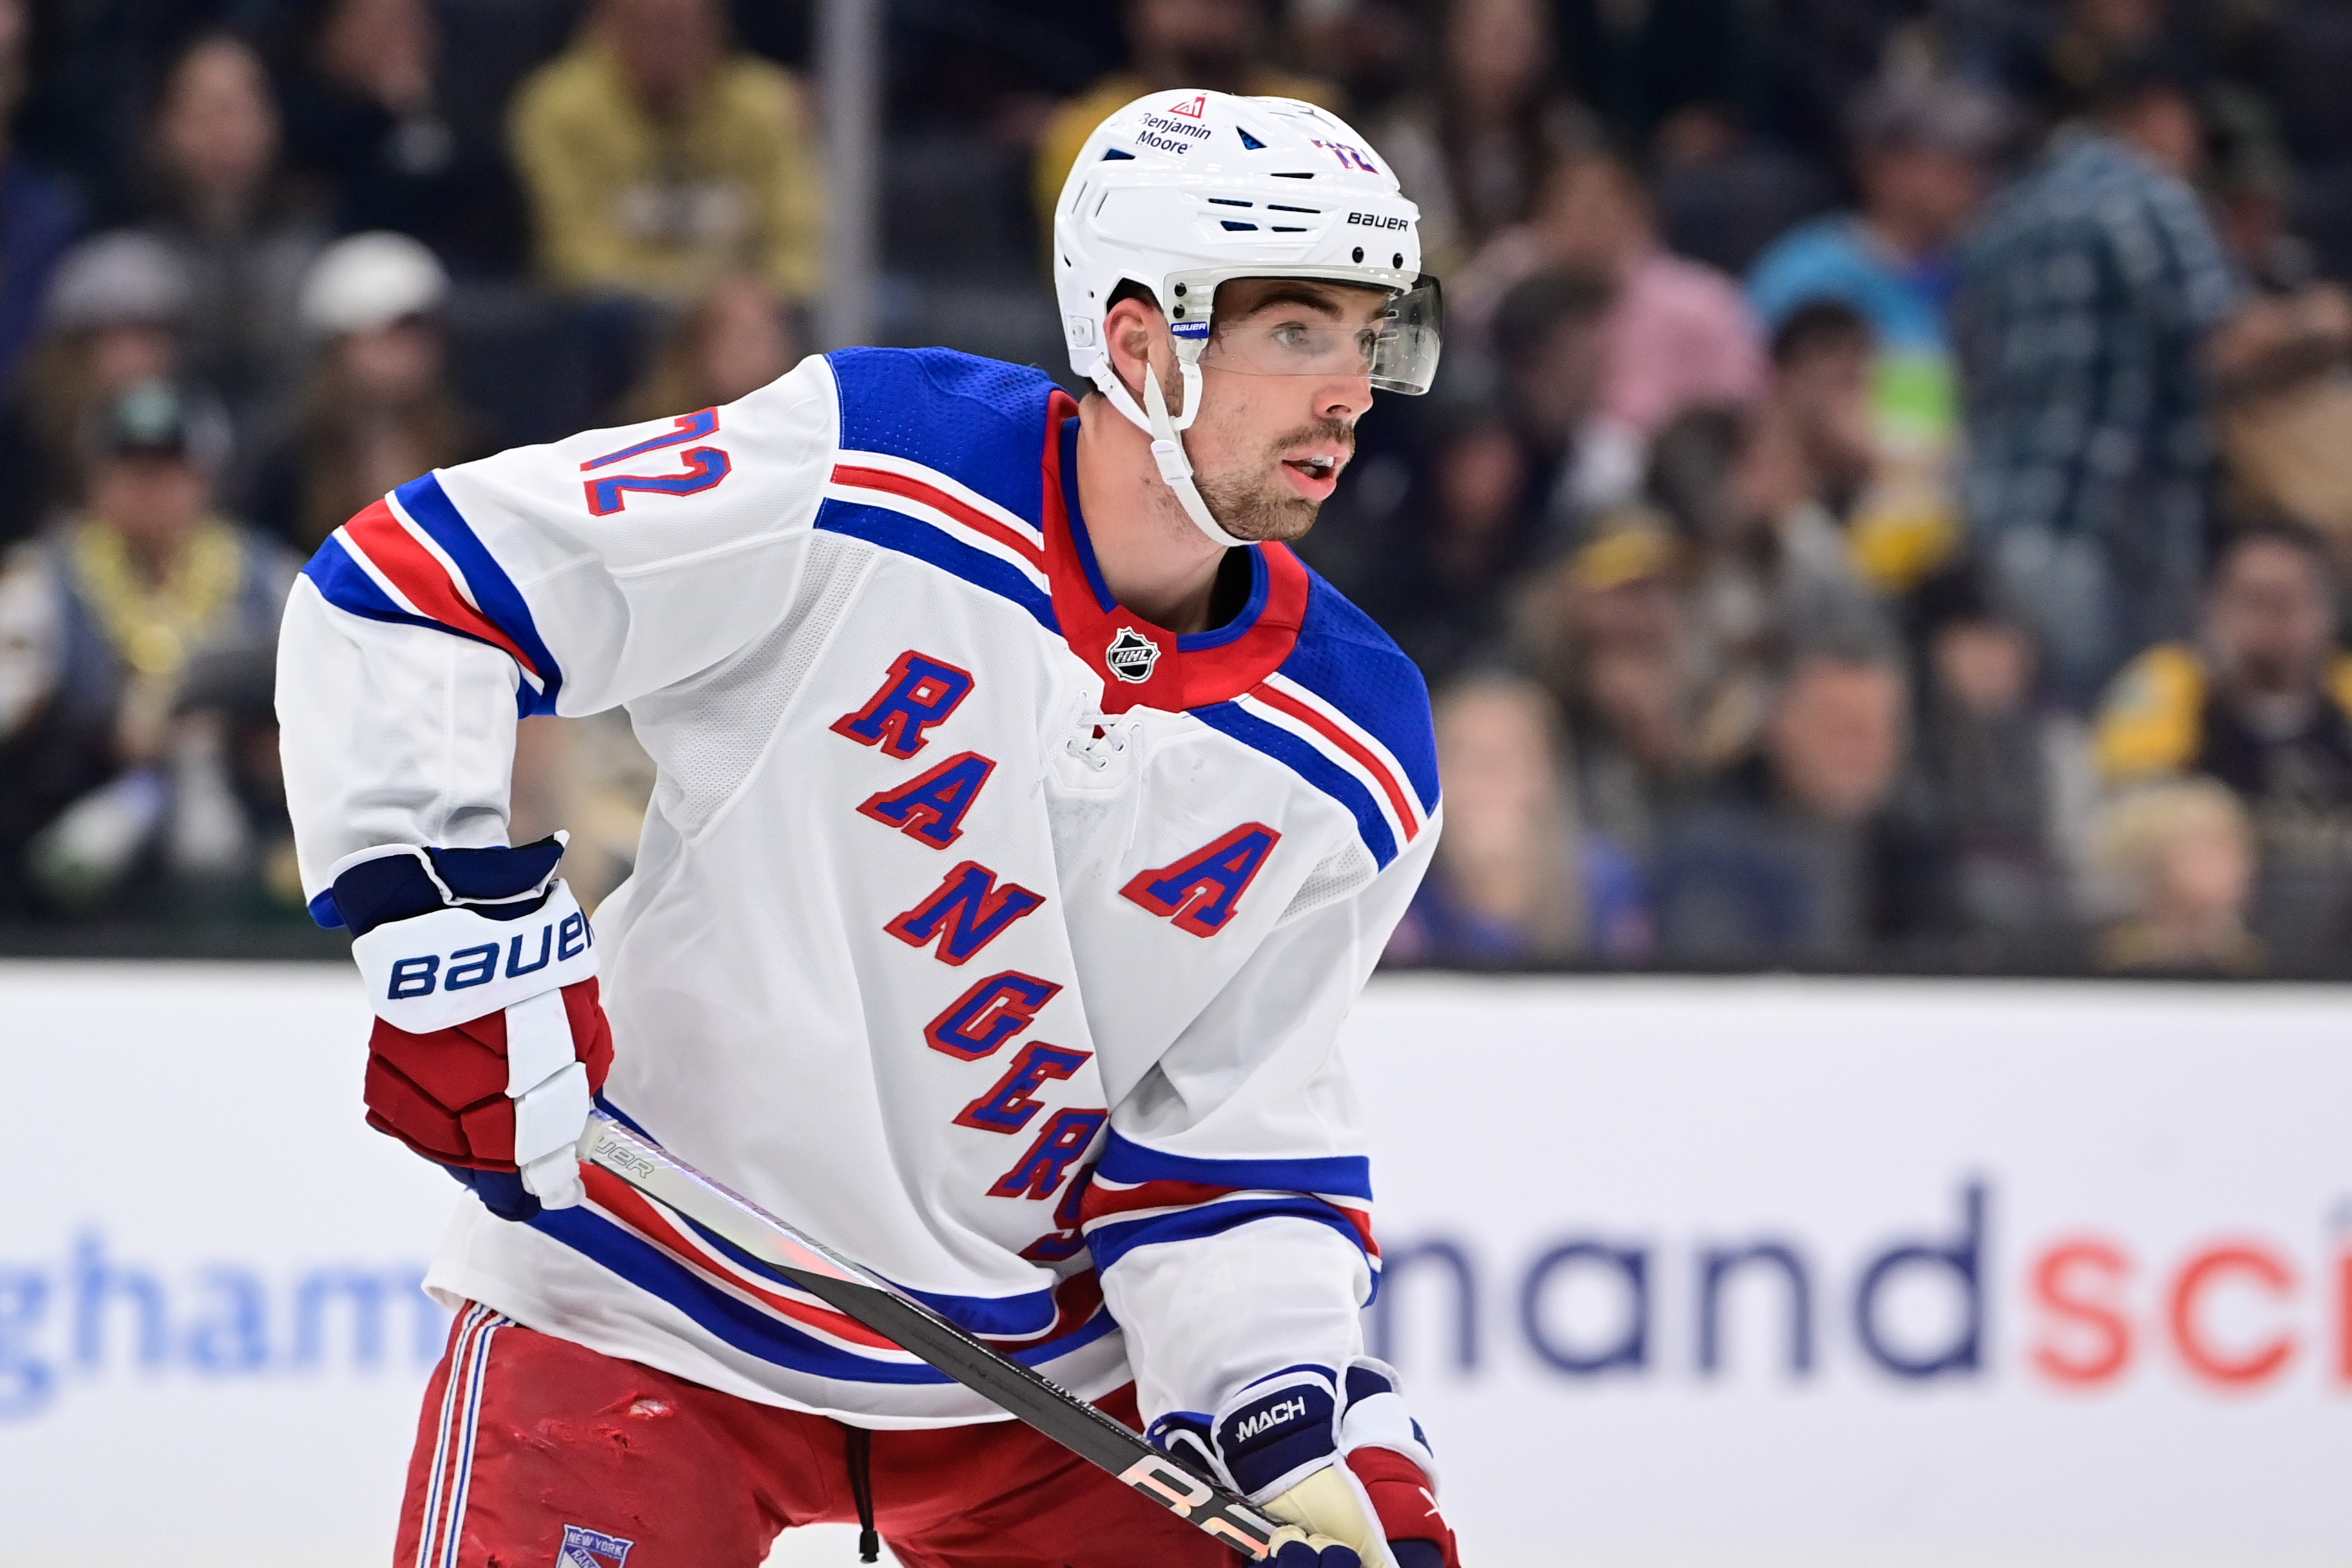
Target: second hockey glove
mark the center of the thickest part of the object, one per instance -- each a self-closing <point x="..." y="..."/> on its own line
<point x="1339" y="1457"/>
<point x="489" y="1041"/>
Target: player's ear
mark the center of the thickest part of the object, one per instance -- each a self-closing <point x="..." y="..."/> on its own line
<point x="1130" y="332"/>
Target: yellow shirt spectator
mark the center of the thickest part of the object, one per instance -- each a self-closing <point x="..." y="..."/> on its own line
<point x="2153" y="720"/>
<point x="663" y="204"/>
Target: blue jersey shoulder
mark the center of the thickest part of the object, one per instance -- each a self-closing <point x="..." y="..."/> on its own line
<point x="980" y="422"/>
<point x="1346" y="659"/>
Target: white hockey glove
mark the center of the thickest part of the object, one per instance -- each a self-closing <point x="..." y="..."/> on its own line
<point x="1339" y="1457"/>
<point x="489" y="1043"/>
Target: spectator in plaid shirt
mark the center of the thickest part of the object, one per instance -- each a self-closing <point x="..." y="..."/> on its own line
<point x="2089" y="302"/>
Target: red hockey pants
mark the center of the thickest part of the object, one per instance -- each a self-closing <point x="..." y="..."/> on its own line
<point x="534" y="1452"/>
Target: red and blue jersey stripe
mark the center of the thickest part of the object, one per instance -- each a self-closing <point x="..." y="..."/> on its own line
<point x="1140" y="1195"/>
<point x="412" y="559"/>
<point x="740" y="1300"/>
<point x="924" y="512"/>
<point x="1347" y="712"/>
<point x="938" y="461"/>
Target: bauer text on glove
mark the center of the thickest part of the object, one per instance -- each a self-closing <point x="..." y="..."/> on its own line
<point x="490" y="1040"/>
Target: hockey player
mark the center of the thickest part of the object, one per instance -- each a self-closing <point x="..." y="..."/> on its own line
<point x="1027" y="818"/>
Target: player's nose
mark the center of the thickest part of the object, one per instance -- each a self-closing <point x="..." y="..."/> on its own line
<point x="1344" y="398"/>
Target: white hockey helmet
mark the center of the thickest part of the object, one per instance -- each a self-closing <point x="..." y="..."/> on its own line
<point x="1181" y="191"/>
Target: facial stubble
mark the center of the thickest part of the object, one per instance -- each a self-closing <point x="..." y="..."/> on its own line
<point x="1254" y="503"/>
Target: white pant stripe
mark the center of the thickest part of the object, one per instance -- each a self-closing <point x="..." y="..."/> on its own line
<point x="453" y="1443"/>
<point x="431" y="1511"/>
<point x="463" y="1480"/>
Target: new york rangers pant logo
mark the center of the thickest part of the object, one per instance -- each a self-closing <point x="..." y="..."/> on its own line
<point x="586" y="1548"/>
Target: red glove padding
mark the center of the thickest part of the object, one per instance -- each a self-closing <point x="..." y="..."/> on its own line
<point x="1404" y="1501"/>
<point x="444" y="1093"/>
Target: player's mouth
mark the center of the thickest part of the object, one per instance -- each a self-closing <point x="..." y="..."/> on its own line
<point x="1315" y="475"/>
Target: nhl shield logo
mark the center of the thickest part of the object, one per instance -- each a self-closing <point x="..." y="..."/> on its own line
<point x="585" y="1548"/>
<point x="1131" y="655"/>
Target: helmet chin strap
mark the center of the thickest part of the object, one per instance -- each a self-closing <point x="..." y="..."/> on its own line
<point x="1167" y="438"/>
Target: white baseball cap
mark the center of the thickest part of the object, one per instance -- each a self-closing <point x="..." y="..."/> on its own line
<point x="369" y="280"/>
<point x="116" y="279"/>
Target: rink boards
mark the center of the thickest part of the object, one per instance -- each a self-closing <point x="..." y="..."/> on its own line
<point x="1678" y="1271"/>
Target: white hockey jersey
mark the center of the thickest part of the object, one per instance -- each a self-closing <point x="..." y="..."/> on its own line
<point x="989" y="932"/>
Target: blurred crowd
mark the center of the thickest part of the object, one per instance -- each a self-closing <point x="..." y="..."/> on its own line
<point x="261" y="263"/>
<point x="1886" y="504"/>
<point x="1886" y="507"/>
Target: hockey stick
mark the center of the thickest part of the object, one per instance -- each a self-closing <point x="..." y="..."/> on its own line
<point x="881" y="1306"/>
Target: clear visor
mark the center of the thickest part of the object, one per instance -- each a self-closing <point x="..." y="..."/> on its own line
<point x="1398" y="350"/>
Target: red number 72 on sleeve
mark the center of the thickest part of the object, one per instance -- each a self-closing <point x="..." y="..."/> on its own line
<point x="705" y="466"/>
